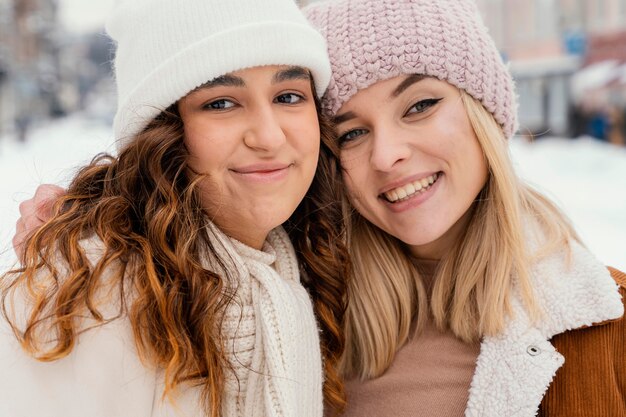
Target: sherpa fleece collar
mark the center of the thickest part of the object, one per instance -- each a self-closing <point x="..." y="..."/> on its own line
<point x="514" y="369"/>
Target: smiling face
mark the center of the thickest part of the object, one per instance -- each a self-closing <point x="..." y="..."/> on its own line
<point x="412" y="163"/>
<point x="255" y="134"/>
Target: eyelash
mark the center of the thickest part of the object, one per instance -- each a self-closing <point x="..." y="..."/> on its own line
<point x="300" y="97"/>
<point x="428" y="103"/>
<point x="213" y="105"/>
<point x="425" y="105"/>
<point x="346" y="136"/>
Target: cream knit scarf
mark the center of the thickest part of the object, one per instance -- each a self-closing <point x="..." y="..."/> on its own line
<point x="270" y="330"/>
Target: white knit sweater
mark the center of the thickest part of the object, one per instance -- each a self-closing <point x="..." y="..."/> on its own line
<point x="273" y="346"/>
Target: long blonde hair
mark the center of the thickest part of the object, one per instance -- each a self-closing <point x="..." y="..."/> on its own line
<point x="472" y="290"/>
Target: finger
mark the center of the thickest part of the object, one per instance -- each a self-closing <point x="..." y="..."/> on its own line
<point x="45" y="197"/>
<point x="19" y="238"/>
<point x="45" y="192"/>
<point x="28" y="217"/>
<point x="24" y="226"/>
<point x="27" y="207"/>
<point x="17" y="246"/>
<point x="31" y="223"/>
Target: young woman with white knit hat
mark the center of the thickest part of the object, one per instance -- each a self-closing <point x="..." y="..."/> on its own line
<point x="164" y="284"/>
<point x="471" y="293"/>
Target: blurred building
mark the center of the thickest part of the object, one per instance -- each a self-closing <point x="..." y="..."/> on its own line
<point x="5" y="35"/>
<point x="550" y="45"/>
<point x="29" y="63"/>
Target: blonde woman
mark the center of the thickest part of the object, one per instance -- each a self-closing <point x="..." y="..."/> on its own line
<point x="472" y="294"/>
<point x="163" y="284"/>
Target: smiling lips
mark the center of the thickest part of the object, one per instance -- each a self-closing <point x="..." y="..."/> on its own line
<point x="411" y="189"/>
<point x="265" y="172"/>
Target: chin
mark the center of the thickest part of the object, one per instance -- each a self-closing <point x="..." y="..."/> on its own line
<point x="273" y="217"/>
<point x="417" y="239"/>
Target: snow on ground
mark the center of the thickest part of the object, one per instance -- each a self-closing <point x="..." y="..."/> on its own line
<point x="51" y="155"/>
<point x="585" y="177"/>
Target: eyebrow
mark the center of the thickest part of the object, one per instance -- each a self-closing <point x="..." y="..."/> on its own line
<point x="291" y="73"/>
<point x="406" y="83"/>
<point x="228" y="80"/>
<point x="341" y="118"/>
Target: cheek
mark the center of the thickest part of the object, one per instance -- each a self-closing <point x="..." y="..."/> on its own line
<point x="474" y="158"/>
<point x="354" y="179"/>
<point x="460" y="144"/>
<point x="482" y="171"/>
<point x="355" y="159"/>
<point x="196" y="136"/>
<point x="355" y="162"/>
<point x="200" y="154"/>
<point x="304" y="134"/>
<point x="305" y="126"/>
<point x="208" y="145"/>
<point x="311" y="142"/>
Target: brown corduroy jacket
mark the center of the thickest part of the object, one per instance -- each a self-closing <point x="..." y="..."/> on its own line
<point x="592" y="382"/>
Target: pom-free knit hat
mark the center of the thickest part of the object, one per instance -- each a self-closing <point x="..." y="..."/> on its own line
<point x="374" y="40"/>
<point x="167" y="48"/>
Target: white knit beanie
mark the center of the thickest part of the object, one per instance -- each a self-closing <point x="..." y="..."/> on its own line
<point x="167" y="48"/>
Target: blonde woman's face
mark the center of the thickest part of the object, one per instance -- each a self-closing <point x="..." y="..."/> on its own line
<point x="412" y="163"/>
<point x="255" y="134"/>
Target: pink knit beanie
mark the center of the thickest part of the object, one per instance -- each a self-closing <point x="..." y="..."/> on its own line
<point x="374" y="40"/>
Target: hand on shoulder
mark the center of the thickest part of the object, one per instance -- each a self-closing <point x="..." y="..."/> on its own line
<point x="34" y="212"/>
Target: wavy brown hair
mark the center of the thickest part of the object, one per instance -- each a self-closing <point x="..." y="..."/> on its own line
<point x="144" y="207"/>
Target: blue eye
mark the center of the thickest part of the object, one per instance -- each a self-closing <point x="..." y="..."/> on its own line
<point x="221" y="104"/>
<point x="423" y="105"/>
<point x="350" y="136"/>
<point x="289" y="98"/>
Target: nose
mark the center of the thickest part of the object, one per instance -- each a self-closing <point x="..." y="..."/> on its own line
<point x="265" y="131"/>
<point x="389" y="148"/>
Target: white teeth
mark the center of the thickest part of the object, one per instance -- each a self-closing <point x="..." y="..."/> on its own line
<point x="408" y="190"/>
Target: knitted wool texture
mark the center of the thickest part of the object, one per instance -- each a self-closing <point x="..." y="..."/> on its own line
<point x="270" y="332"/>
<point x="374" y="40"/>
<point x="167" y="48"/>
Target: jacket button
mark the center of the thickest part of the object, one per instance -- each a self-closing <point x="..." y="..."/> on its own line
<point x="533" y="350"/>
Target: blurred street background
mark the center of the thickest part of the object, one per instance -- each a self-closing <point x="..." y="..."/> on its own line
<point x="568" y="57"/>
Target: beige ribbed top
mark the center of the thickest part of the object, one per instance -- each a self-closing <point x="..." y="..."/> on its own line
<point x="430" y="375"/>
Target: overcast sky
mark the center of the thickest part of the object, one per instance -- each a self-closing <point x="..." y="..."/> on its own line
<point x="84" y="16"/>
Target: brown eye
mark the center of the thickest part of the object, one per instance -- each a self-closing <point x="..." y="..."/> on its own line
<point x="221" y="104"/>
<point x="289" y="98"/>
